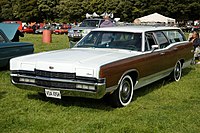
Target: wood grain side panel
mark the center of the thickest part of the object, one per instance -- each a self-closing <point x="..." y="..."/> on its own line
<point x="113" y="71"/>
<point x="146" y="64"/>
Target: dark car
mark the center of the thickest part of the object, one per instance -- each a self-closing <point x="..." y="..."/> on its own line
<point x="10" y="49"/>
<point x="76" y="33"/>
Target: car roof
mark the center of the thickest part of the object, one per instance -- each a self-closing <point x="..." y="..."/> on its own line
<point x="138" y="29"/>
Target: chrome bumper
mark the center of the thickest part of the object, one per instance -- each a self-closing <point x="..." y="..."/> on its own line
<point x="88" y="90"/>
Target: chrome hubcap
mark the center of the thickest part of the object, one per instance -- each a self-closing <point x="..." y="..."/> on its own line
<point x="177" y="72"/>
<point x="126" y="91"/>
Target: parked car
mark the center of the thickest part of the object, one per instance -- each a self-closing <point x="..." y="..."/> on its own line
<point x="40" y="30"/>
<point x="10" y="49"/>
<point x="27" y="29"/>
<point x="112" y="61"/>
<point x="66" y="26"/>
<point x="60" y="31"/>
<point x="76" y="33"/>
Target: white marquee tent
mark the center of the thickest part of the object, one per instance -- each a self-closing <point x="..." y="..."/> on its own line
<point x="155" y="18"/>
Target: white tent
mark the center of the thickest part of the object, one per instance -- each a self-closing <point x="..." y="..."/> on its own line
<point x="156" y="18"/>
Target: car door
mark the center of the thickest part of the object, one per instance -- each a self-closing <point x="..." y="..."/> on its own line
<point x="152" y="68"/>
<point x="154" y="59"/>
<point x="10" y="49"/>
<point x="3" y="50"/>
<point x="167" y="53"/>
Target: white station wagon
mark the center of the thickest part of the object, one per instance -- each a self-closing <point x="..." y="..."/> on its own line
<point x="110" y="61"/>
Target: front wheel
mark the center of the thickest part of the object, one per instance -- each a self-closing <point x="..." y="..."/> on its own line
<point x="177" y="72"/>
<point x="124" y="93"/>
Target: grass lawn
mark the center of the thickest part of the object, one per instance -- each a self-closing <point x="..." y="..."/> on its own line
<point x="162" y="107"/>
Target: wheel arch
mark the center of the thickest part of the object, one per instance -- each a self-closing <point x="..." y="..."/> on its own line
<point x="133" y="73"/>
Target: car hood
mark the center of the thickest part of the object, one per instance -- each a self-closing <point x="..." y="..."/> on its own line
<point x="9" y="29"/>
<point x="79" y="60"/>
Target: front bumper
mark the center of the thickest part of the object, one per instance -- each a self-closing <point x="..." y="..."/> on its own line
<point x="68" y="85"/>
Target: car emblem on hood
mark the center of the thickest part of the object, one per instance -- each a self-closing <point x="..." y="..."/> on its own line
<point x="50" y="67"/>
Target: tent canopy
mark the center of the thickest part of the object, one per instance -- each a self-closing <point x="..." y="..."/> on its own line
<point x="156" y="18"/>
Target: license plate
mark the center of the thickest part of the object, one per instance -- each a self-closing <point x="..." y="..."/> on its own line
<point x="53" y="93"/>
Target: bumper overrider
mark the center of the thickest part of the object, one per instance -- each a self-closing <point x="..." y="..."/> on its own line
<point x="67" y="83"/>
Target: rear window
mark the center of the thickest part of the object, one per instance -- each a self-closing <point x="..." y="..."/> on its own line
<point x="174" y="36"/>
<point x="90" y="23"/>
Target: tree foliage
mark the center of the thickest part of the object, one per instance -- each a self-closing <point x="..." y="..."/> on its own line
<point x="69" y="11"/>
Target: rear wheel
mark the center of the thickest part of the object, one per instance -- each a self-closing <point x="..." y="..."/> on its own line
<point x="124" y="93"/>
<point x="177" y="72"/>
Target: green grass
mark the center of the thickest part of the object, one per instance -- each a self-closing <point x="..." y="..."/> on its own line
<point x="162" y="107"/>
<point x="58" y="42"/>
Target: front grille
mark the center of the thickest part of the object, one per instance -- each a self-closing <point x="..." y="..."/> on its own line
<point x="49" y="74"/>
<point x="55" y="84"/>
<point x="53" y="79"/>
<point x="23" y="72"/>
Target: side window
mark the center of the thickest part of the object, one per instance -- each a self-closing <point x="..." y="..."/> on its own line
<point x="161" y="39"/>
<point x="174" y="36"/>
<point x="149" y="41"/>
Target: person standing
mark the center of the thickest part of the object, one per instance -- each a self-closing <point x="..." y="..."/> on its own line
<point x="17" y="35"/>
<point x="196" y="44"/>
<point x="107" y="22"/>
<point x="195" y="39"/>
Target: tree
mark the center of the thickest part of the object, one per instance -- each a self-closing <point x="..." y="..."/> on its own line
<point x="6" y="10"/>
<point x="27" y="11"/>
<point x="46" y="8"/>
<point x="69" y="11"/>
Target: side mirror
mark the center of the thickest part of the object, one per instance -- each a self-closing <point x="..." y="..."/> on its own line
<point x="72" y="44"/>
<point x="154" y="47"/>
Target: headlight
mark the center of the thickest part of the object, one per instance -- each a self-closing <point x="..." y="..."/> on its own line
<point x="27" y="80"/>
<point x="85" y="87"/>
<point x="70" y="31"/>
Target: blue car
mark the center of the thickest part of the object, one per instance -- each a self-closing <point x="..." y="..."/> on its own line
<point x="9" y="49"/>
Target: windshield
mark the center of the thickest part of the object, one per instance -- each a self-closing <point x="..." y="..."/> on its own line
<point x="117" y="40"/>
<point x="90" y="23"/>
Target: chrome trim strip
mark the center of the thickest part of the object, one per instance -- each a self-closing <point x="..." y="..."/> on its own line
<point x="110" y="89"/>
<point x="97" y="94"/>
<point x="56" y="80"/>
<point x="152" y="78"/>
<point x="53" y="88"/>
